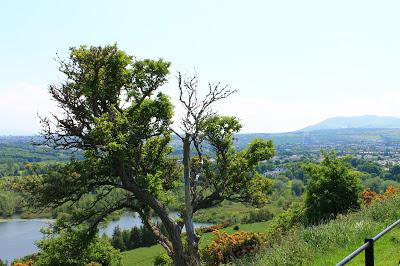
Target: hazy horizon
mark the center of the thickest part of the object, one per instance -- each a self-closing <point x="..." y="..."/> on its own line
<point x="294" y="63"/>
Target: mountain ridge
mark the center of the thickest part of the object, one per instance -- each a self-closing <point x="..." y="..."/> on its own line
<point x="364" y="121"/>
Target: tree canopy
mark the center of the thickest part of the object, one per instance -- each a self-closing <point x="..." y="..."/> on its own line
<point x="112" y="110"/>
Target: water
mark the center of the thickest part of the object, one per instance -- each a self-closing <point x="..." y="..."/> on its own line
<point x="17" y="237"/>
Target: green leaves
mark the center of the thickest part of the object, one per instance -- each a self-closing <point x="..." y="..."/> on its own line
<point x="70" y="247"/>
<point x="147" y="76"/>
<point x="232" y="174"/>
<point x="333" y="188"/>
<point x="259" y="150"/>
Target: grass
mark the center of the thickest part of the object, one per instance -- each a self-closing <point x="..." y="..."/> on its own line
<point x="234" y="212"/>
<point x="386" y="251"/>
<point x="324" y="244"/>
<point x="327" y="244"/>
<point x="145" y="256"/>
<point x="141" y="256"/>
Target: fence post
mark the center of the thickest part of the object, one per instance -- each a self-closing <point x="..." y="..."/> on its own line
<point x="369" y="252"/>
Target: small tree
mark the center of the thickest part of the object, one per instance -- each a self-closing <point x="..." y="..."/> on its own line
<point x="297" y="187"/>
<point x="219" y="173"/>
<point x="333" y="188"/>
<point x="110" y="110"/>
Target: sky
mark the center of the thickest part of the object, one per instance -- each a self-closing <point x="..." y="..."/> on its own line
<point x="294" y="63"/>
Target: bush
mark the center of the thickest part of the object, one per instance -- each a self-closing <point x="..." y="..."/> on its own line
<point x="27" y="263"/>
<point x="259" y="215"/>
<point x="369" y="195"/>
<point x="295" y="214"/>
<point x="213" y="228"/>
<point x="229" y="247"/>
<point x="236" y="227"/>
<point x="297" y="187"/>
<point x="162" y="260"/>
<point x="334" y="188"/>
<point x="72" y="248"/>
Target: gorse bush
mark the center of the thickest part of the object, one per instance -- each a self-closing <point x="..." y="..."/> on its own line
<point x="369" y="195"/>
<point x="227" y="247"/>
<point x="28" y="263"/>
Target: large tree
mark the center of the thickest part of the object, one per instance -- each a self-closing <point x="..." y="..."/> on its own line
<point x="112" y="110"/>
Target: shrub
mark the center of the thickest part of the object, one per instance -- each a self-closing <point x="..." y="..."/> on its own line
<point x="236" y="227"/>
<point x="334" y="188"/>
<point x="295" y="214"/>
<point x="162" y="260"/>
<point x="369" y="196"/>
<point x="213" y="228"/>
<point x="297" y="187"/>
<point x="259" y="215"/>
<point x="71" y="247"/>
<point x="27" y="263"/>
<point x="93" y="264"/>
<point x="229" y="247"/>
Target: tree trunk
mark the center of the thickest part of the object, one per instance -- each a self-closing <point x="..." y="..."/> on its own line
<point x="173" y="245"/>
<point x="193" y="258"/>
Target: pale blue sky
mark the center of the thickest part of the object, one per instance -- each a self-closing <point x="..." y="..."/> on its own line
<point x="294" y="62"/>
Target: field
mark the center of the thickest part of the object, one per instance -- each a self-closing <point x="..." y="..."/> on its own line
<point x="145" y="256"/>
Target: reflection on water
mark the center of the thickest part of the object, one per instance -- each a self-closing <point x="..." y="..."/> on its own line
<point x="17" y="237"/>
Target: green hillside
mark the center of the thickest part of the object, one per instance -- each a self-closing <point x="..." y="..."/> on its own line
<point x="325" y="244"/>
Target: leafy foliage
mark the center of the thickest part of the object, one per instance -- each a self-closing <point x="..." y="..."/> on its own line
<point x="162" y="260"/>
<point x="72" y="248"/>
<point x="333" y="188"/>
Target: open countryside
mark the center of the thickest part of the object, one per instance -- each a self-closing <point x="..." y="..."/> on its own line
<point x="199" y="133"/>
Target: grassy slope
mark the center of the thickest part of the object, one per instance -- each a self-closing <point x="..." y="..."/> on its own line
<point x="327" y="244"/>
<point x="145" y="256"/>
<point x="386" y="250"/>
<point x="235" y="212"/>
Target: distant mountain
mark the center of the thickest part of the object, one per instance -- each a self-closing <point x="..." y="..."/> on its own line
<point x="366" y="121"/>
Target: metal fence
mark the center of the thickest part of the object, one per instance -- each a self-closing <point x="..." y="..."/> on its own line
<point x="368" y="247"/>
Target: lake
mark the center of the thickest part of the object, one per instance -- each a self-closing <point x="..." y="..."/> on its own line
<point x="17" y="237"/>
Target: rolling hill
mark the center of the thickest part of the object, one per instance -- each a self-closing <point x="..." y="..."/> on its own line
<point x="366" y="121"/>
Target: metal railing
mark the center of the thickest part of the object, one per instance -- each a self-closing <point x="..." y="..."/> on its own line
<point x="368" y="247"/>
